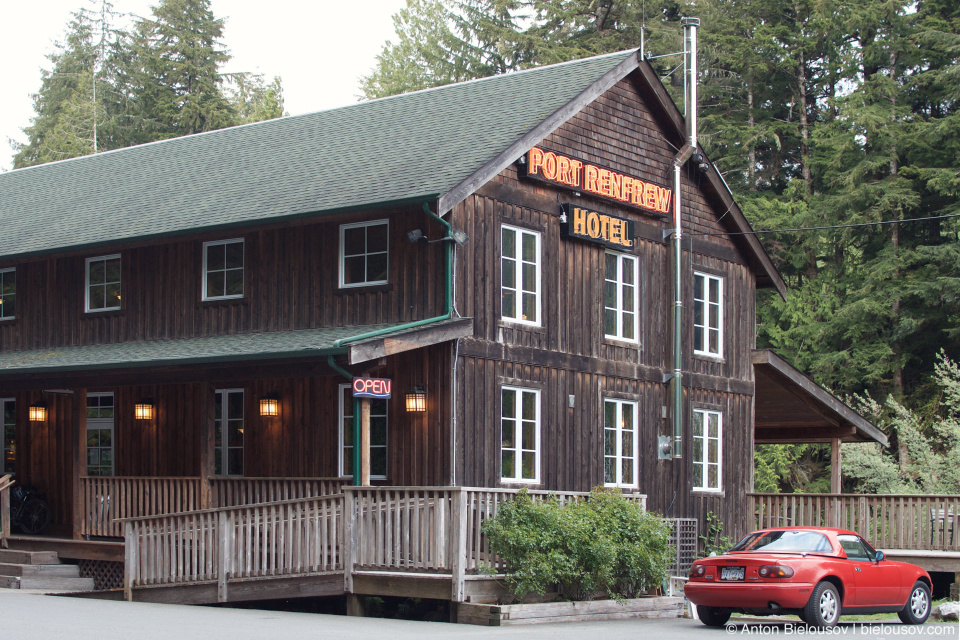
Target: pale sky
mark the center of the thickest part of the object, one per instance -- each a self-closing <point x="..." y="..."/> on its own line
<point x="319" y="48"/>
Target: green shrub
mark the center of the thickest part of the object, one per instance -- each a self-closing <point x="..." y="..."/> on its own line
<point x="604" y="544"/>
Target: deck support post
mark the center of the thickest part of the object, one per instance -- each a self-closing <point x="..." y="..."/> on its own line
<point x="225" y="523"/>
<point x="349" y="549"/>
<point x="458" y="543"/>
<point x="130" y="560"/>
<point x="355" y="605"/>
<point x="4" y="515"/>
<point x="207" y="432"/>
<point x="365" y="442"/>
<point x="835" y="465"/>
<point x="79" y="462"/>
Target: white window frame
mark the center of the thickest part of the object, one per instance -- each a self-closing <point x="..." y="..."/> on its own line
<point x="3" y="315"/>
<point x="87" y="285"/>
<point x="620" y="455"/>
<point x="707" y="347"/>
<point x="345" y="398"/>
<point x="702" y="465"/>
<point x="518" y="449"/>
<point x="3" y="435"/>
<point x="243" y="269"/>
<point x="223" y="451"/>
<point x="517" y="287"/>
<point x="623" y="260"/>
<point x="102" y="424"/>
<point x="366" y="254"/>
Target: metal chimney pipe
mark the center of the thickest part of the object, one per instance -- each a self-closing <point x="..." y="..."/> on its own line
<point x="690" y="26"/>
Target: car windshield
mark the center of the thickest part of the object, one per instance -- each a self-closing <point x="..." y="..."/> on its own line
<point x="786" y="541"/>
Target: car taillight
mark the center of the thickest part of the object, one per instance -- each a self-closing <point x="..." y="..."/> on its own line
<point x="775" y="571"/>
<point x="697" y="571"/>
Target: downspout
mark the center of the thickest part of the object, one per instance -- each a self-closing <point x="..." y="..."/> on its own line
<point x="690" y="99"/>
<point x="448" y="313"/>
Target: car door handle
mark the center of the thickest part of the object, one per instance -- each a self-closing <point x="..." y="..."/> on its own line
<point x="857" y="569"/>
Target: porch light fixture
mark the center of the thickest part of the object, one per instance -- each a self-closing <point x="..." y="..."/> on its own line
<point x="143" y="410"/>
<point x="270" y="405"/>
<point x="417" y="235"/>
<point x="416" y="400"/>
<point x="38" y="412"/>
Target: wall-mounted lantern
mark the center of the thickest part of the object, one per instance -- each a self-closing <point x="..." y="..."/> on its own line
<point x="416" y="400"/>
<point x="143" y="410"/>
<point x="270" y="405"/>
<point x="38" y="412"/>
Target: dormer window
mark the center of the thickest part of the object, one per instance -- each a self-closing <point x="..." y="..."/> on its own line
<point x="103" y="283"/>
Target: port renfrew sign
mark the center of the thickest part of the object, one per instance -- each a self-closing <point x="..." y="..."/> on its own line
<point x="579" y="175"/>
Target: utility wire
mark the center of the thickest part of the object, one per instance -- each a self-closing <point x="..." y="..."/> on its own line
<point x="836" y="226"/>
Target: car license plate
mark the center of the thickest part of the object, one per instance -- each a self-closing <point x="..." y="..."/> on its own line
<point x="731" y="573"/>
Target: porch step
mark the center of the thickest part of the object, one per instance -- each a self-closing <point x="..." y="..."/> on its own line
<point x="46" y="583"/>
<point x="15" y="556"/>
<point x="40" y="570"/>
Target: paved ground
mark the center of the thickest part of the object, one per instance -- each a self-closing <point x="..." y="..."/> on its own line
<point x="37" y="617"/>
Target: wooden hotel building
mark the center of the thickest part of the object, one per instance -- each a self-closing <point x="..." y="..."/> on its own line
<point x="181" y="323"/>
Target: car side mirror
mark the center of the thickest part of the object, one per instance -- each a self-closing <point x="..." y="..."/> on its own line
<point x="880" y="556"/>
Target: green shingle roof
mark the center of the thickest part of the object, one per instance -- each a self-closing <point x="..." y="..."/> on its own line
<point x="414" y="146"/>
<point x="210" y="349"/>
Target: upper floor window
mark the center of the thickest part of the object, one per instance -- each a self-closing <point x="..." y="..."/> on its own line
<point x="223" y="269"/>
<point x="100" y="416"/>
<point x="228" y="432"/>
<point x="619" y="443"/>
<point x="8" y="294"/>
<point x="519" y="435"/>
<point x="520" y="275"/>
<point x="103" y="283"/>
<point x="707" y="449"/>
<point x="707" y="315"/>
<point x="620" y="297"/>
<point x="378" y="435"/>
<point x="364" y="253"/>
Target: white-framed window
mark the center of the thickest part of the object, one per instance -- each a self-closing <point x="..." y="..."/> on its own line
<point x="707" y="450"/>
<point x="228" y="432"/>
<point x="520" y="275"/>
<point x="223" y="269"/>
<point x="103" y="283"/>
<point x="364" y="253"/>
<point x="8" y="293"/>
<point x="100" y="432"/>
<point x="8" y="436"/>
<point x="619" y="443"/>
<point x="378" y="435"/>
<point x="707" y="315"/>
<point x="620" y="297"/>
<point x="519" y="435"/>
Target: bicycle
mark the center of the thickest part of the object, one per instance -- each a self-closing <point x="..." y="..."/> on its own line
<point x="29" y="511"/>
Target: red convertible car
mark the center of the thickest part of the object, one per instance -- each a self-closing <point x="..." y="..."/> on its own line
<point x="816" y="573"/>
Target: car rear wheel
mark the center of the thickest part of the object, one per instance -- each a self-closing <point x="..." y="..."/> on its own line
<point x="917" y="608"/>
<point x="823" y="609"/>
<point x="713" y="616"/>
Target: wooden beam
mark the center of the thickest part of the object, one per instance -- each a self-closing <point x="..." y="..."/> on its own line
<point x="835" y="477"/>
<point x="410" y="340"/>
<point x="207" y="439"/>
<point x="78" y="444"/>
<point x="365" y="442"/>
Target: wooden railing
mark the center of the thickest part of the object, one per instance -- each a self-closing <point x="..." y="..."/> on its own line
<point x="289" y="538"/>
<point x="6" y="482"/>
<point x="108" y="499"/>
<point x="230" y="492"/>
<point x="921" y="522"/>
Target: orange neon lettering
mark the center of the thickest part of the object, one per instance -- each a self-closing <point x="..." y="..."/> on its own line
<point x="550" y="165"/>
<point x="626" y="191"/>
<point x="615" y="226"/>
<point x="590" y="183"/>
<point x="593" y="225"/>
<point x="575" y="167"/>
<point x="563" y="171"/>
<point x="605" y="227"/>
<point x="579" y="221"/>
<point x="638" y="193"/>
<point x="603" y="182"/>
<point x="616" y="179"/>
<point x="663" y="199"/>
<point x="649" y="196"/>
<point x="534" y="161"/>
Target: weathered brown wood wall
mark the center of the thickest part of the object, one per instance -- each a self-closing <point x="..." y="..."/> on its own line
<point x="303" y="441"/>
<point x="567" y="355"/>
<point x="291" y="282"/>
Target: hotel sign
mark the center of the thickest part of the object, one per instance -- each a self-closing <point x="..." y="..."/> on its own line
<point x="593" y="226"/>
<point x="578" y="175"/>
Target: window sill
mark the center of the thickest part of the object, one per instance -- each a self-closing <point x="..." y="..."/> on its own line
<point x="105" y="313"/>
<point x="709" y="356"/>
<point x="517" y="325"/>
<point x="225" y="302"/>
<point x="511" y="483"/>
<point x="718" y="493"/>
<point x="364" y="288"/>
<point x="621" y="342"/>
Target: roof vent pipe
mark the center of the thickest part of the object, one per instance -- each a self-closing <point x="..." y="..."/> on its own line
<point x="690" y="26"/>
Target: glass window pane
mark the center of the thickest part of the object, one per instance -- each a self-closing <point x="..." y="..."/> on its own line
<point x="529" y="436"/>
<point x="627" y="415"/>
<point x="377" y="238"/>
<point x="354" y="241"/>
<point x="626" y="449"/>
<point x="378" y="430"/>
<point x="628" y="326"/>
<point x="236" y="433"/>
<point x="509" y="304"/>
<point x="629" y="267"/>
<point x="714" y="290"/>
<point x="233" y="283"/>
<point x="113" y="295"/>
<point x="713" y="482"/>
<point x="610" y="294"/>
<point x="698" y="449"/>
<point x="93" y="456"/>
<point x="610" y="415"/>
<point x="97" y="272"/>
<point x="611" y="266"/>
<point x="97" y="300"/>
<point x="698" y="338"/>
<point x="609" y="470"/>
<point x="610" y="322"/>
<point x="507" y="435"/>
<point x="236" y="462"/>
<point x="529" y="277"/>
<point x="354" y="270"/>
<point x="509" y="273"/>
<point x="106" y="457"/>
<point x="529" y="247"/>
<point x="235" y="405"/>
<point x="529" y="406"/>
<point x="628" y="303"/>
<point x="626" y="470"/>
<point x="529" y="307"/>
<point x="113" y="270"/>
<point x="509" y="241"/>
<point x="609" y="442"/>
<point x="377" y="267"/>
<point x="215" y="284"/>
<point x="507" y="459"/>
<point x="106" y="438"/>
<point x="378" y="461"/>
<point x="529" y="471"/>
<point x="713" y="450"/>
<point x="509" y="400"/>
<point x="216" y="256"/>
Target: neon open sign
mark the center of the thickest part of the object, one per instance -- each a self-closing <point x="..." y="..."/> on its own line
<point x="371" y="388"/>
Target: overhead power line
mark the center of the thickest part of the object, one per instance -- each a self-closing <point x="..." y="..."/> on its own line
<point x="835" y="226"/>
